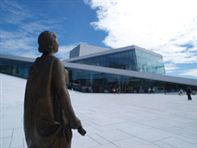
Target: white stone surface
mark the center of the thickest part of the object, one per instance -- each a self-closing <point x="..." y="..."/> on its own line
<point x="111" y="120"/>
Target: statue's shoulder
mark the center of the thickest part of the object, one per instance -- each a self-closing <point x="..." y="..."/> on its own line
<point x="57" y="61"/>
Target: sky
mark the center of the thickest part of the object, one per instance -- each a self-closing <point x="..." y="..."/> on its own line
<point x="167" y="27"/>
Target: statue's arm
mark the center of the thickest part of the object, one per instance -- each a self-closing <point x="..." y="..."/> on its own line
<point x="63" y="95"/>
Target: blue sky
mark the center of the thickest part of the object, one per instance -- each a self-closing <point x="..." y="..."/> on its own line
<point x="21" y="22"/>
<point x="158" y="25"/>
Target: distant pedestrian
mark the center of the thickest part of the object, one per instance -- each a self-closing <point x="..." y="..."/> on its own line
<point x="149" y="90"/>
<point x="181" y="91"/>
<point x="189" y="94"/>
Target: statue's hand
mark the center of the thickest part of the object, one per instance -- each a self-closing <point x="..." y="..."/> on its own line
<point x="82" y="131"/>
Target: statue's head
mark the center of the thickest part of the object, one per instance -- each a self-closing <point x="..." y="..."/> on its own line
<point x="47" y="42"/>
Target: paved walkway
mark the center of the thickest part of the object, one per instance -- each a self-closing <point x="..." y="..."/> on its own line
<point x="111" y="120"/>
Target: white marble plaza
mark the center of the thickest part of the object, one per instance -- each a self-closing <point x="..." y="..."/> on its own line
<point x="111" y="120"/>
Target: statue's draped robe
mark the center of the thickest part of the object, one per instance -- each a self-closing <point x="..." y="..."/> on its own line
<point x="48" y="113"/>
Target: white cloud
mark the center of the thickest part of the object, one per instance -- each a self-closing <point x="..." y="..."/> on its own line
<point x="16" y="44"/>
<point x="13" y="12"/>
<point x="21" y="39"/>
<point x="64" y="51"/>
<point x="13" y="41"/>
<point x="191" y="72"/>
<point x="169" y="67"/>
<point x="164" y="26"/>
<point x="36" y="27"/>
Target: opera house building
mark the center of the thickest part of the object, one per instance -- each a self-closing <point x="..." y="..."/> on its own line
<point x="94" y="69"/>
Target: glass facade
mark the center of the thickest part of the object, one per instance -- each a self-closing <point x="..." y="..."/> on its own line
<point x="98" y="82"/>
<point x="14" y="67"/>
<point x="89" y="81"/>
<point x="132" y="59"/>
<point x="121" y="60"/>
<point x="149" y="63"/>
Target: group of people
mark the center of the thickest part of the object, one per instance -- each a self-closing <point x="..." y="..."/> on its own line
<point x="188" y="93"/>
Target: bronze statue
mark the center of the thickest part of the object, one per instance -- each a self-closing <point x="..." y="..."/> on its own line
<point x="48" y="113"/>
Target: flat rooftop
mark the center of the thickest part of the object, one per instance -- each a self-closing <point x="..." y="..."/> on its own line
<point x="111" y="120"/>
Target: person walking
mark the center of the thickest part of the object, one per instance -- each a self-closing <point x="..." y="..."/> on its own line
<point x="48" y="113"/>
<point x="189" y="94"/>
